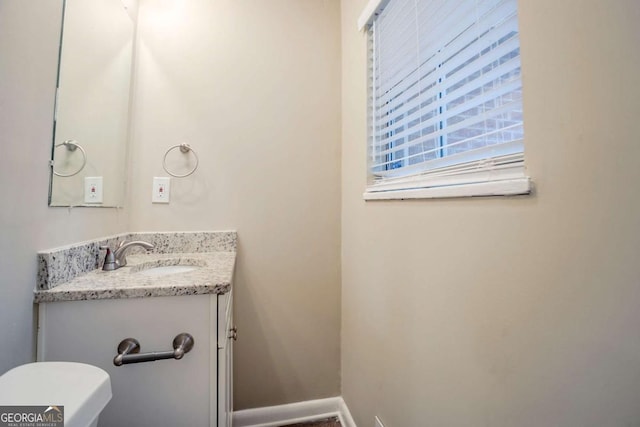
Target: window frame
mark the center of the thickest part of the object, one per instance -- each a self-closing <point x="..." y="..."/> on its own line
<point x="487" y="176"/>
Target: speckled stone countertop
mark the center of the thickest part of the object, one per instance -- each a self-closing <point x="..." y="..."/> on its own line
<point x="214" y="255"/>
<point x="213" y="276"/>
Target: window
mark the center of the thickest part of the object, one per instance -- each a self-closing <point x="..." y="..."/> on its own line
<point x="446" y="99"/>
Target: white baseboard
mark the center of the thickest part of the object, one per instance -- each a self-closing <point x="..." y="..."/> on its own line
<point x="292" y="413"/>
<point x="345" y="416"/>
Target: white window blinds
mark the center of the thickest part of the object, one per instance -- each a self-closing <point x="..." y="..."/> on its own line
<point x="446" y="95"/>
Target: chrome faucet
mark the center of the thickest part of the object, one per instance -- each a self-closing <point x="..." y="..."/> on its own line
<point x="118" y="258"/>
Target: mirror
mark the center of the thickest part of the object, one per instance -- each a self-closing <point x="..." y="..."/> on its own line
<point x="91" y="119"/>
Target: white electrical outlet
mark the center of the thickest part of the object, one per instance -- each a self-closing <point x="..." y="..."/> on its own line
<point x="93" y="189"/>
<point x="161" y="189"/>
<point x="378" y="422"/>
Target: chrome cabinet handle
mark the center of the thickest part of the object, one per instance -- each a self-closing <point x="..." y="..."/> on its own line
<point x="129" y="351"/>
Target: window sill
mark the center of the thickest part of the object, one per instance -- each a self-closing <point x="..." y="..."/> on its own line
<point x="507" y="187"/>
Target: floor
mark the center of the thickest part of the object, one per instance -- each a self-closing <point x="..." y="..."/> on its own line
<point x="327" y="422"/>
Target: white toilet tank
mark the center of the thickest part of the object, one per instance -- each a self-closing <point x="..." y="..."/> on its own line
<point x="83" y="390"/>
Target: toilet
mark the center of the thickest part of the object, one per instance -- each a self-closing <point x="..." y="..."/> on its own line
<point x="83" y="390"/>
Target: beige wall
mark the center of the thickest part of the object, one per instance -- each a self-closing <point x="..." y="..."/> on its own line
<point x="254" y="87"/>
<point x="507" y="311"/>
<point x="29" y="34"/>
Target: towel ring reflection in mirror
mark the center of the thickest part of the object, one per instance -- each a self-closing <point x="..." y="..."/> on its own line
<point x="71" y="146"/>
<point x="184" y="148"/>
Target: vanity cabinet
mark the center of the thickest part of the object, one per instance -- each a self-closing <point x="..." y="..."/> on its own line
<point x="193" y="391"/>
<point x="226" y="337"/>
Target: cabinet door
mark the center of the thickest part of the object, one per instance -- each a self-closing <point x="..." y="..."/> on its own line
<point x="155" y="394"/>
<point x="225" y="360"/>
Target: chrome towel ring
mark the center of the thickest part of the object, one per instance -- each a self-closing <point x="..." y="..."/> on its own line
<point x="184" y="148"/>
<point x="71" y="145"/>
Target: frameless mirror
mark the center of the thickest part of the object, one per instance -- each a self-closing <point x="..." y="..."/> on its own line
<point x="91" y="120"/>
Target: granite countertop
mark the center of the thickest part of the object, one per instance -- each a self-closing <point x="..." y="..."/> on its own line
<point x="213" y="276"/>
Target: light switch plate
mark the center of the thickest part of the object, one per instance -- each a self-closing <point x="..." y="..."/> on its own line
<point x="93" y="189"/>
<point x="161" y="189"/>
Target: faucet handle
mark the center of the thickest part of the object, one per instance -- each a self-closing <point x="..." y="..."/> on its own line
<point x="120" y="254"/>
<point x="109" y="259"/>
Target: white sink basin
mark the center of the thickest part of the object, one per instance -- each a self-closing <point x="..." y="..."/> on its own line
<point x="167" y="269"/>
